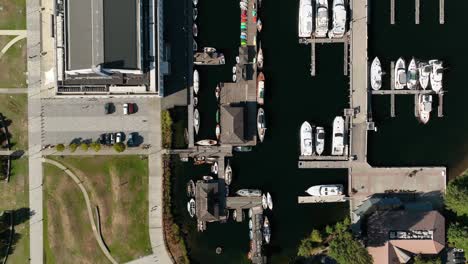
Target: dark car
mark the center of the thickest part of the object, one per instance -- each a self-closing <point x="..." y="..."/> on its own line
<point x="130" y="141"/>
<point x="109" y="108"/>
<point x="131" y="108"/>
<point x="102" y="139"/>
<point x="108" y="139"/>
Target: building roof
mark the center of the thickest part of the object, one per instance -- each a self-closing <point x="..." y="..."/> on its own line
<point x="392" y="235"/>
<point x="207" y="202"/>
<point x="232" y="125"/>
<point x="102" y="32"/>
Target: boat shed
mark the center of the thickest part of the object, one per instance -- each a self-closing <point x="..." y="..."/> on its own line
<point x="232" y="123"/>
<point x="208" y="205"/>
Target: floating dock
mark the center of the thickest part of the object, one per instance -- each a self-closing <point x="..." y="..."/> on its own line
<point x="321" y="199"/>
<point x="442" y="11"/>
<point x="313" y="41"/>
<point x="392" y="12"/>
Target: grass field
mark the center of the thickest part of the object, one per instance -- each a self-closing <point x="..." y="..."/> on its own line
<point x="15" y="196"/>
<point x="67" y="230"/>
<point x="14" y="107"/>
<point x="13" y="65"/>
<point x="119" y="186"/>
<point x="12" y="14"/>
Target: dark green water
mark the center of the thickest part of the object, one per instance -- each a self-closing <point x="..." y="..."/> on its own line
<point x="293" y="96"/>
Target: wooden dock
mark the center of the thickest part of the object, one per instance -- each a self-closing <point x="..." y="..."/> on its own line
<point x="318" y="164"/>
<point x="440" y="108"/>
<point x="392" y="89"/>
<point x="312" y="59"/>
<point x="442" y="11"/>
<point x="313" y="41"/>
<point x="323" y="158"/>
<point x="321" y="199"/>
<point x="416" y="11"/>
<point x="392" y="12"/>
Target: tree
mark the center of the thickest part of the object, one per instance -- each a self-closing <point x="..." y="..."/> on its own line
<point x="166" y="128"/>
<point x="457" y="235"/>
<point x="60" y="147"/>
<point x="73" y="147"/>
<point x="119" y="147"/>
<point x="311" y="245"/>
<point x="346" y="250"/>
<point x="96" y="146"/>
<point x="456" y="197"/>
<point x="84" y="146"/>
<point x="426" y="260"/>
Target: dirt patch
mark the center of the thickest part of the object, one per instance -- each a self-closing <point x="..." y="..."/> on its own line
<point x="12" y="14"/>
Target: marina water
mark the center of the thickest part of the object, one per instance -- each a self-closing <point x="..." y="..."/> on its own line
<point x="293" y="96"/>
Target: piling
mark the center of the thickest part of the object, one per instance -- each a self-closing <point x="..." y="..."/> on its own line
<point x="441" y="11"/>
<point x="312" y="59"/>
<point x="440" y="108"/>
<point x="392" y="12"/>
<point x="417" y="5"/>
<point x="392" y="87"/>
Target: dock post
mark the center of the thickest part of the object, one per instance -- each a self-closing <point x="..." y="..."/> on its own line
<point x="440" y="108"/>
<point x="417" y="2"/>
<point x="441" y="11"/>
<point x="392" y="87"/>
<point x="345" y="55"/>
<point x="392" y="12"/>
<point x="312" y="59"/>
<point x="416" y="114"/>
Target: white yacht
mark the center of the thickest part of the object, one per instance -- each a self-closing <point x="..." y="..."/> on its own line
<point x="196" y="81"/>
<point x="306" y="139"/>
<point x="319" y="140"/>
<point x="249" y="193"/>
<point x="400" y="74"/>
<point x="305" y="18"/>
<point x="325" y="190"/>
<point x="196" y="120"/>
<point x="191" y="207"/>
<point x="260" y="58"/>
<point x="218" y="131"/>
<point x="261" y="124"/>
<point x="269" y="201"/>
<point x="264" y="202"/>
<point x="413" y="79"/>
<point x="228" y="174"/>
<point x="339" y="19"/>
<point x="195" y="2"/>
<point x="436" y="75"/>
<point x="376" y="74"/>
<point x="424" y="72"/>
<point x="338" y="136"/>
<point x="321" y="19"/>
<point x="424" y="107"/>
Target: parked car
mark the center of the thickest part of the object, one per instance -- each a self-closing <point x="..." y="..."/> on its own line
<point x="109" y="108"/>
<point x="118" y="137"/>
<point x="102" y="139"/>
<point x="131" y="108"/>
<point x="112" y="138"/>
<point x="125" y="109"/>
<point x="130" y="141"/>
<point x="108" y="139"/>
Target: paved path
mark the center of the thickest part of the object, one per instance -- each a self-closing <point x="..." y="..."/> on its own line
<point x="13" y="90"/>
<point x="7" y="32"/>
<point x="11" y="43"/>
<point x="103" y="152"/>
<point x="88" y="206"/>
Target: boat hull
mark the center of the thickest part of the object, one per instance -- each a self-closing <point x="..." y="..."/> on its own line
<point x="305" y="18"/>
<point x="338" y="136"/>
<point x="400" y="74"/>
<point x="412" y="75"/>
<point x="376" y="74"/>
<point x="306" y="139"/>
<point x="261" y="124"/>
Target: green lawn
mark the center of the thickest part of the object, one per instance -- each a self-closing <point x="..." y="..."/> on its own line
<point x="15" y="196"/>
<point x="119" y="186"/>
<point x="14" y="66"/>
<point x="12" y="14"/>
<point x="15" y="108"/>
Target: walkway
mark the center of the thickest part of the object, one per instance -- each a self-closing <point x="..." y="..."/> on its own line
<point x="88" y="206"/>
<point x="12" y="42"/>
<point x="13" y="90"/>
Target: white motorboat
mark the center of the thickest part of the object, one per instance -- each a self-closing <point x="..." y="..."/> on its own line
<point x="191" y="207"/>
<point x="190" y="189"/>
<point x="250" y="213"/>
<point x="321" y="18"/>
<point x="195" y="45"/>
<point x="264" y="202"/>
<point x="195" y="30"/>
<point x="269" y="201"/>
<point x="250" y="234"/>
<point x="234" y="215"/>
<point x="260" y="58"/>
<point x="195" y="2"/>
<point x="249" y="193"/>
<point x="306" y="139"/>
<point x="218" y="131"/>
<point x="228" y="174"/>
<point x="196" y="81"/>
<point x="306" y="18"/>
<point x="400" y="74"/>
<point x="376" y="74"/>
<point x="250" y="224"/>
<point x="195" y="13"/>
<point x="261" y="124"/>
<point x="207" y="178"/>
<point x="214" y="168"/>
<point x="436" y="75"/>
<point x="266" y="230"/>
<point x="196" y="120"/>
<point x="195" y="101"/>
<point x="209" y="50"/>
<point x="234" y="69"/>
<point x="206" y="142"/>
<point x="217" y="92"/>
<point x="339" y="19"/>
<point x="413" y="79"/>
<point x="424" y="72"/>
<point x="234" y="77"/>
<point x="338" y="136"/>
<point x="319" y="140"/>
<point x="424" y="107"/>
<point x="259" y="25"/>
<point x="325" y="190"/>
<point x="261" y="88"/>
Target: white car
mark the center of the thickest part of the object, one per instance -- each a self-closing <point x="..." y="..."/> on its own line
<point x="125" y="109"/>
<point x="118" y="137"/>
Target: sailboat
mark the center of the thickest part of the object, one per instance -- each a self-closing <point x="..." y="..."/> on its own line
<point x="424" y="107"/>
<point x="306" y="139"/>
<point x="196" y="80"/>
<point x="260" y="58"/>
<point x="191" y="207"/>
<point x="196" y="120"/>
<point x="305" y="18"/>
<point x="400" y="74"/>
<point x="264" y="202"/>
<point x="338" y="136"/>
<point x="376" y="74"/>
<point x="321" y="19"/>
<point x="339" y="20"/>
<point x="261" y="124"/>
<point x="195" y="30"/>
<point x="206" y="142"/>
<point x="218" y="131"/>
<point x="319" y="140"/>
<point x="436" y="75"/>
<point x="424" y="72"/>
<point x="269" y="201"/>
<point x="260" y="88"/>
<point x="412" y="75"/>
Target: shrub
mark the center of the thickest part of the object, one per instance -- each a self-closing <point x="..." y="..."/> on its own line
<point x="60" y="147"/>
<point x="84" y="146"/>
<point x="73" y="147"/>
<point x="96" y="146"/>
<point x="119" y="147"/>
<point x="456" y="197"/>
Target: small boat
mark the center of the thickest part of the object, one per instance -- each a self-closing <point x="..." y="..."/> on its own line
<point x="196" y="120"/>
<point x="325" y="190"/>
<point x="214" y="168"/>
<point x="228" y="174"/>
<point x="269" y="201"/>
<point x="250" y="213"/>
<point x="195" y="2"/>
<point x="196" y="81"/>
<point x="266" y="230"/>
<point x="218" y="131"/>
<point x="412" y="81"/>
<point x="250" y="224"/>
<point x="261" y="124"/>
<point x="436" y="75"/>
<point x="319" y="140"/>
<point x="305" y="18"/>
<point x="338" y="136"/>
<point x="424" y="72"/>
<point x="195" y="13"/>
<point x="195" y="101"/>
<point x="321" y="18"/>
<point x="191" y="207"/>
<point x="400" y="74"/>
<point x="234" y="69"/>
<point x="195" y="45"/>
<point x="207" y="178"/>
<point x="195" y="30"/>
<point x="264" y="202"/>
<point x="217" y="116"/>
<point x="249" y="193"/>
<point x="207" y="142"/>
<point x="306" y="139"/>
<point x="376" y="74"/>
<point x="259" y="25"/>
<point x="190" y="189"/>
<point x="424" y="107"/>
<point x="250" y="235"/>
<point x="260" y="58"/>
<point x="209" y="50"/>
<point x="339" y="19"/>
<point x="261" y="88"/>
<point x="234" y="77"/>
<point x="237" y="59"/>
<point x="234" y="215"/>
<point x="242" y="148"/>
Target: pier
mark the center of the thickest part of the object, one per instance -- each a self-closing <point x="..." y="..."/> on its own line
<point x="321" y="199"/>
<point x="313" y="41"/>
<point x="442" y="11"/>
<point x="416" y="11"/>
<point x="392" y="12"/>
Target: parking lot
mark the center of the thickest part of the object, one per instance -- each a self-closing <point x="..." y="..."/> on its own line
<point x="85" y="119"/>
